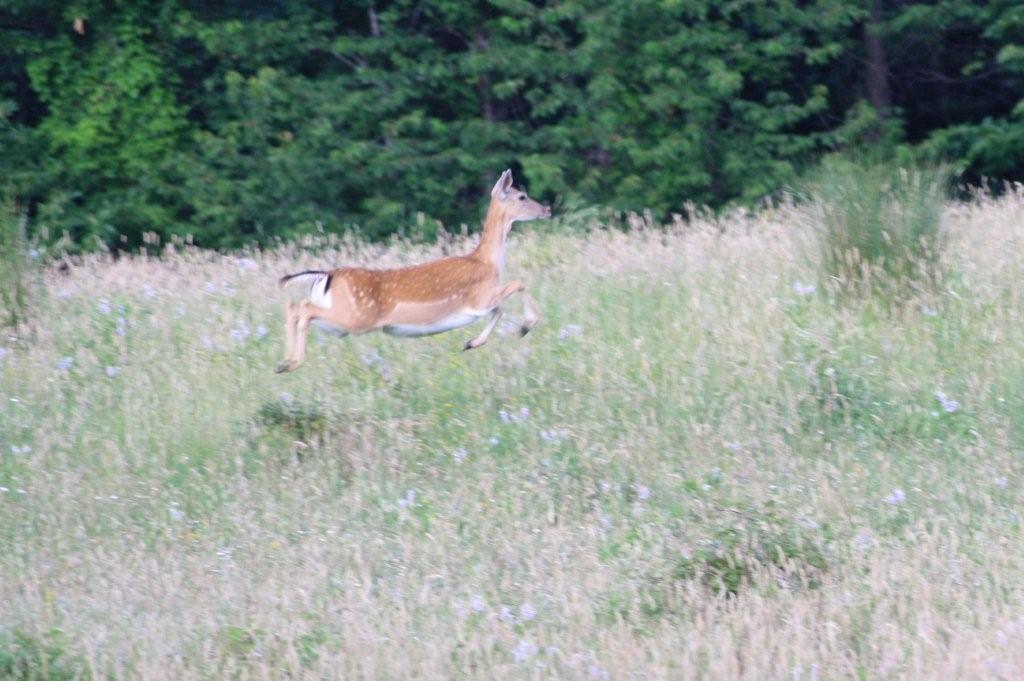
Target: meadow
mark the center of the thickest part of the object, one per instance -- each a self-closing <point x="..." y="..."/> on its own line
<point x="707" y="461"/>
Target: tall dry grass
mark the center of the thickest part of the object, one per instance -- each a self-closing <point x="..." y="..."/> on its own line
<point x="699" y="466"/>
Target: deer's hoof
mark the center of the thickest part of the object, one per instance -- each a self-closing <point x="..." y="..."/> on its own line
<point x="285" y="366"/>
<point x="468" y="346"/>
<point x="524" y="329"/>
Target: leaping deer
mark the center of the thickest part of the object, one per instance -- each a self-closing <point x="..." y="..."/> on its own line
<point x="420" y="300"/>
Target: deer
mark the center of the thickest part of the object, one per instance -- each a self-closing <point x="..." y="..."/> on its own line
<point x="420" y="300"/>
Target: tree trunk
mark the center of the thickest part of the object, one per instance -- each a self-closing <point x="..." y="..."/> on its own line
<point x="877" y="77"/>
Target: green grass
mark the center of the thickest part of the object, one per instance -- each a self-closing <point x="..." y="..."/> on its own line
<point x="694" y="467"/>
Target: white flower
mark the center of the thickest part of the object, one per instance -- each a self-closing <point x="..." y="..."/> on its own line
<point x="478" y="604"/>
<point x="408" y="500"/>
<point x="65" y="363"/>
<point x="1002" y="483"/>
<point x="286" y="398"/>
<point x="261" y="331"/>
<point x="569" y="331"/>
<point x="896" y="497"/>
<point x="112" y="371"/>
<point x="929" y="311"/>
<point x="122" y="326"/>
<point x="246" y="263"/>
<point x="460" y="454"/>
<point x="504" y="415"/>
<point x="642" y="492"/>
<point x="103" y="306"/>
<point x="175" y="513"/>
<point x="527" y="611"/>
<point x="20" y="451"/>
<point x="524" y="650"/>
<point x="803" y="289"/>
<point x="505" y="615"/>
<point x="149" y="291"/>
<point x="605" y="521"/>
<point x="948" y="405"/>
<point x="493" y="441"/>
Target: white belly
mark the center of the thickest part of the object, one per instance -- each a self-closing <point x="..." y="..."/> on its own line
<point x="327" y="327"/>
<point x="440" y="326"/>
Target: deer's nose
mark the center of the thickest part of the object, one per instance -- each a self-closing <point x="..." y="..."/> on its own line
<point x="547" y="211"/>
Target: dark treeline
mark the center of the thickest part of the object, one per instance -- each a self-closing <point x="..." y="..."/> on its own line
<point x="244" y="121"/>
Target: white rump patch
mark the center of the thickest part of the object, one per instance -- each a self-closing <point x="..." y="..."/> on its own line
<point x="317" y="287"/>
<point x="448" y="323"/>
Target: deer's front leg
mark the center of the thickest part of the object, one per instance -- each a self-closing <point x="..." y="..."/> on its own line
<point x="531" y="316"/>
<point x="289" y="335"/>
<point x="486" y="333"/>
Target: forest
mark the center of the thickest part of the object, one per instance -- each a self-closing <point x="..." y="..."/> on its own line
<point x="235" y="123"/>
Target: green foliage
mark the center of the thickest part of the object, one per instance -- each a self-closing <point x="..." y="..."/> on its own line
<point x="880" y="222"/>
<point x="234" y="124"/>
<point x="18" y="274"/>
<point x="736" y="553"/>
<point x="304" y="423"/>
<point x="26" y="657"/>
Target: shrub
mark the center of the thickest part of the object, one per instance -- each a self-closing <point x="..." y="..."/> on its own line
<point x="24" y="656"/>
<point x="17" y="271"/>
<point x="880" y="222"/>
<point x="755" y="543"/>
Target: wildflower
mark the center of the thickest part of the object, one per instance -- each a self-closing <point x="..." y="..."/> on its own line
<point x="210" y="288"/>
<point x="863" y="541"/>
<point x="408" y="500"/>
<point x="245" y="263"/>
<point x="103" y="306"/>
<point x="597" y="672"/>
<point x="20" y="451"/>
<point x="504" y="415"/>
<point x="524" y="650"/>
<point x="478" y="604"/>
<point x="569" y="331"/>
<point x="803" y="289"/>
<point x="112" y="371"/>
<point x="896" y="497"/>
<point x="460" y="454"/>
<point x="493" y="441"/>
<point x="175" y="513"/>
<point x="286" y="398"/>
<point x="527" y="611"/>
<point x="148" y="291"/>
<point x="65" y="363"/>
<point x="122" y="326"/>
<point x="261" y="332"/>
<point x="524" y="413"/>
<point x="1002" y="483"/>
<point x="929" y="311"/>
<point x="241" y="332"/>
<point x="948" y="405"/>
<point x="505" y="615"/>
<point x="733" y="446"/>
<point x="34" y="253"/>
<point x="207" y="342"/>
<point x="605" y="521"/>
<point x="642" y="492"/>
<point x="4" y="352"/>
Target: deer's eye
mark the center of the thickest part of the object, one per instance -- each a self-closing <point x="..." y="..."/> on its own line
<point x="522" y="197"/>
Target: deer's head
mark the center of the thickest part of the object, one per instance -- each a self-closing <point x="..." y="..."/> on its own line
<point x="514" y="204"/>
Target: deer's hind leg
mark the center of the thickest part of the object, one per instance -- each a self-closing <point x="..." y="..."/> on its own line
<point x="290" y="319"/>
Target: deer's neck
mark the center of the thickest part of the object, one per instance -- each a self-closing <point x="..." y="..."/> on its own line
<point x="492" y="242"/>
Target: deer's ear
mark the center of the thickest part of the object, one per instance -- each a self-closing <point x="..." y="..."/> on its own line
<point x="503" y="184"/>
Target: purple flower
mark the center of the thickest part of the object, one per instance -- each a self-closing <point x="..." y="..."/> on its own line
<point x="65" y="363"/>
<point x="524" y="650"/>
<point x="896" y="497"/>
<point x="112" y="371"/>
<point x="527" y="611"/>
<point x="948" y="405"/>
<point x="478" y="604"/>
